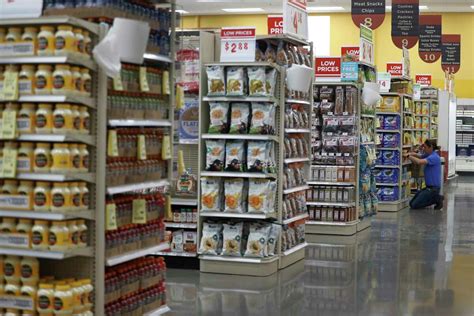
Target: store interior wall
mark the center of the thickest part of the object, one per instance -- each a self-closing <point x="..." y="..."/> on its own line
<point x="344" y="32"/>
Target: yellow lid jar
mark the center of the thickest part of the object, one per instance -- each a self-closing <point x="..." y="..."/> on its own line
<point x="46" y="41"/>
<point x="13" y="35"/>
<point x="76" y="118"/>
<point x="85" y="120"/>
<point x="88" y="293"/>
<point x="10" y="187"/>
<point x="77" y="79"/>
<point x="29" y="271"/>
<point x="26" y="118"/>
<point x="84" y="157"/>
<point x="40" y="235"/>
<point x="26" y="80"/>
<point x="8" y="225"/>
<point x="43" y="80"/>
<point x="3" y="33"/>
<point x="73" y="233"/>
<point x="25" y="159"/>
<point x="84" y="196"/>
<point x="83" y="237"/>
<point x="65" y="41"/>
<point x="62" y="79"/>
<point x="45" y="299"/>
<point x="87" y="43"/>
<point x="12" y="289"/>
<point x="75" y="196"/>
<point x="30" y="34"/>
<point x="27" y="188"/>
<point x="80" y="48"/>
<point x="62" y="118"/>
<point x="58" y="236"/>
<point x="12" y="269"/>
<point x="86" y="82"/>
<point x="77" y="293"/>
<point x="42" y="157"/>
<point x="60" y="197"/>
<point x="42" y="197"/>
<point x="29" y="290"/>
<point x="44" y="118"/>
<point x="63" y="301"/>
<point x="75" y="157"/>
<point x="61" y="158"/>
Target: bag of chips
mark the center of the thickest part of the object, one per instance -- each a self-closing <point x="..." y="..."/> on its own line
<point x="233" y="195"/>
<point x="215" y="81"/>
<point x="211" y="192"/>
<point x="271" y="80"/>
<point x="263" y="119"/>
<point x="257" y="240"/>
<point x="232" y="239"/>
<point x="239" y="118"/>
<point x="257" y="81"/>
<point x="234" y="156"/>
<point x="218" y="118"/>
<point x="215" y="151"/>
<point x="211" y="240"/>
<point x="260" y="157"/>
<point x="235" y="81"/>
<point x="258" y="198"/>
<point x="273" y="239"/>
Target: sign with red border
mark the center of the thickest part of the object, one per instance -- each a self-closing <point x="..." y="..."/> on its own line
<point x="237" y="44"/>
<point x="429" y="47"/>
<point x="350" y="53"/>
<point x="275" y="24"/>
<point x="329" y="67"/>
<point x="395" y="69"/>
<point x="451" y="53"/>
<point x="368" y="12"/>
<point x="424" y="80"/>
<point x="405" y="22"/>
<point x="295" y="18"/>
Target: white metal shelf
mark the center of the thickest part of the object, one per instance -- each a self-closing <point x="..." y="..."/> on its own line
<point x="240" y="137"/>
<point x="229" y="174"/>
<point x="295" y="160"/>
<point x="238" y="259"/>
<point x="159" y="311"/>
<point x="294" y="219"/>
<point x="321" y="223"/>
<point x="238" y="215"/>
<point x="176" y="254"/>
<point x="181" y="225"/>
<point x="367" y="115"/>
<point x="57" y="138"/>
<point x="387" y="167"/>
<point x="387" y="148"/>
<point x="183" y="201"/>
<point x="48" y="215"/>
<point x="387" y="131"/>
<point x="45" y="254"/>
<point x="53" y="98"/>
<point x="337" y="204"/>
<point x="57" y="177"/>
<point x="239" y="99"/>
<point x="146" y="123"/>
<point x="45" y="20"/>
<point x="296" y="189"/>
<point x="158" y="57"/>
<point x="69" y="59"/>
<point x="295" y="101"/>
<point x="340" y="184"/>
<point x="388" y="113"/>
<point x="379" y="184"/>
<point x="245" y="64"/>
<point x="118" y="259"/>
<point x="137" y="186"/>
<point x="294" y="249"/>
<point x="297" y="130"/>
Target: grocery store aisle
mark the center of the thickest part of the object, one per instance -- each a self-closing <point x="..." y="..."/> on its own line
<point x="408" y="263"/>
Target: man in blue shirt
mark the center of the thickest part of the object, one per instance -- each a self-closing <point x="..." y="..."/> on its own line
<point x="432" y="162"/>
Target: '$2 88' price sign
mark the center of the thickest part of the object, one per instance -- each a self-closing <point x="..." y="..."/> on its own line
<point x="238" y="44"/>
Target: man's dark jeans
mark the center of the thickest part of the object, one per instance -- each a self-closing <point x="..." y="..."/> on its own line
<point x="426" y="197"/>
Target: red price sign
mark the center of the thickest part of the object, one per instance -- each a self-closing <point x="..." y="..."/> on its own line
<point x="350" y="53"/>
<point x="237" y="44"/>
<point x="395" y="69"/>
<point x="275" y="24"/>
<point x="424" y="80"/>
<point x="295" y="18"/>
<point x="328" y="67"/>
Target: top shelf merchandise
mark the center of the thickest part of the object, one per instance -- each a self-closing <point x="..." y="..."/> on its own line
<point x="249" y="101"/>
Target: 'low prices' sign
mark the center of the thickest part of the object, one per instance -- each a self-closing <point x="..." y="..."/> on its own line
<point x="237" y="44"/>
<point x="275" y="24"/>
<point x="424" y="80"/>
<point x="328" y="67"/>
<point x="395" y="69"/>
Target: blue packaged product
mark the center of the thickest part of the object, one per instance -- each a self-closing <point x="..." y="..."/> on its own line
<point x="391" y="140"/>
<point x="387" y="194"/>
<point x="379" y="160"/>
<point x="378" y="175"/>
<point x="391" y="122"/>
<point x="390" y="175"/>
<point x="390" y="157"/>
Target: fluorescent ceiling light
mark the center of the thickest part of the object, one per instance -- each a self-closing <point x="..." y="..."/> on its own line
<point x="423" y="7"/>
<point x="181" y="11"/>
<point x="243" y="10"/>
<point x="472" y="7"/>
<point x="325" y="9"/>
<point x="388" y="8"/>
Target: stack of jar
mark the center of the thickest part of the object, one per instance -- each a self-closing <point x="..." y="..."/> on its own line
<point x="48" y="79"/>
<point x="48" y="235"/>
<point x="39" y="157"/>
<point x="135" y="279"/>
<point x="61" y="197"/>
<point x="46" y="118"/>
<point x="50" y="40"/>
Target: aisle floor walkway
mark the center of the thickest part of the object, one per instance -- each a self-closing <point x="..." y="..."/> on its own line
<point x="407" y="263"/>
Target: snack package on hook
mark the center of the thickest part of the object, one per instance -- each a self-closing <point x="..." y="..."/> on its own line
<point x="347" y="125"/>
<point x="339" y="102"/>
<point x="331" y="145"/>
<point x="326" y="107"/>
<point x="326" y="94"/>
<point x="347" y="145"/>
<point x="215" y="81"/>
<point x="352" y="96"/>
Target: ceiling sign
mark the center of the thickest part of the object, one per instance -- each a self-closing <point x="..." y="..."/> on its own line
<point x="275" y="24"/>
<point x="405" y="26"/>
<point x="429" y="47"/>
<point x="395" y="69"/>
<point x="371" y="13"/>
<point x="451" y="53"/>
<point x="424" y="80"/>
<point x="295" y="18"/>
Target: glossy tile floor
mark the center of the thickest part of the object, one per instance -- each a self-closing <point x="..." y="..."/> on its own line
<point x="407" y="263"/>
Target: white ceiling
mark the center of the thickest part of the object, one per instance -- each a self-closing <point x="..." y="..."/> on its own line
<point x="203" y="7"/>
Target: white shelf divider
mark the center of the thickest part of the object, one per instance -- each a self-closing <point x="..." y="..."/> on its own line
<point x="128" y="256"/>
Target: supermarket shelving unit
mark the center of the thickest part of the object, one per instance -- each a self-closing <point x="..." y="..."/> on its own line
<point x="245" y="265"/>
<point x="465" y="137"/>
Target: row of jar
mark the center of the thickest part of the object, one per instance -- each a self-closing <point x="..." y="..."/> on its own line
<point x="43" y="79"/>
<point x="47" y="235"/>
<point x="39" y="157"/>
<point x="47" y="118"/>
<point x="46" y="196"/>
<point x="49" y="40"/>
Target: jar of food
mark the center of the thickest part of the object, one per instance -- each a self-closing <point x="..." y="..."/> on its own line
<point x="75" y="157"/>
<point x="84" y="195"/>
<point x="3" y="34"/>
<point x="61" y="158"/>
<point x="26" y="118"/>
<point x="29" y="291"/>
<point x="30" y="34"/>
<point x="86" y="82"/>
<point x="73" y="233"/>
<point x="65" y="41"/>
<point x="76" y="118"/>
<point x="82" y="229"/>
<point x="26" y="79"/>
<point x="75" y="196"/>
<point x="77" y="79"/>
<point x="62" y="118"/>
<point x="27" y="188"/>
<point x="44" y="118"/>
<point x="87" y="43"/>
<point x="10" y="187"/>
<point x="45" y="299"/>
<point x="60" y="197"/>
<point x="29" y="271"/>
<point x="78" y="294"/>
<point x="12" y="289"/>
<point x="40" y="235"/>
<point x="43" y="80"/>
<point x="8" y="225"/>
<point x="13" y="35"/>
<point x="24" y="226"/>
<point x="63" y="300"/>
<point x="80" y="48"/>
<point x="42" y="162"/>
<point x="84" y="157"/>
<point x="42" y="197"/>
<point x="85" y="120"/>
<point x="88" y="293"/>
<point x="12" y="269"/>
<point x="58" y="236"/>
<point x="62" y="79"/>
<point x="46" y="41"/>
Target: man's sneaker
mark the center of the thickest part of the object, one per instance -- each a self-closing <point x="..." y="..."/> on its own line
<point x="439" y="205"/>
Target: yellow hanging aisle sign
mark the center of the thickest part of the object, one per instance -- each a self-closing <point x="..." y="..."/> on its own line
<point x="139" y="211"/>
<point x="9" y="163"/>
<point x="8" y="130"/>
<point x="144" y="87"/>
<point x="110" y="216"/>
<point x="112" y="146"/>
<point x="141" y="147"/>
<point x="118" y="85"/>
<point x="10" y="86"/>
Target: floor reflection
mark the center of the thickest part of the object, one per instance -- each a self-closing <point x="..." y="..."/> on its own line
<point x="407" y="263"/>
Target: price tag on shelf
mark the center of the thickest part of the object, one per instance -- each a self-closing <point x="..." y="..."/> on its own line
<point x="8" y="130"/>
<point x="238" y="44"/>
<point x="117" y="81"/>
<point x="143" y="80"/>
<point x="384" y="81"/>
<point x="112" y="145"/>
<point x="9" y="163"/>
<point x="111" y="216"/>
<point x="338" y="154"/>
<point x="10" y="86"/>
<point x="141" y="152"/>
<point x="139" y="211"/>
